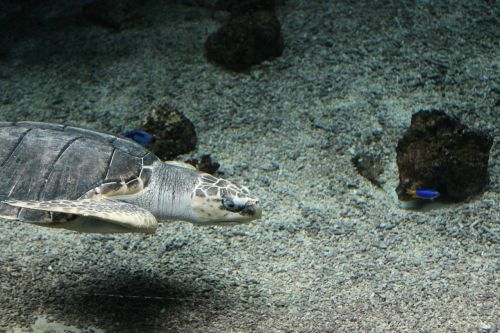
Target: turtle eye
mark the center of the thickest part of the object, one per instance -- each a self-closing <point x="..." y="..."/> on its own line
<point x="231" y="205"/>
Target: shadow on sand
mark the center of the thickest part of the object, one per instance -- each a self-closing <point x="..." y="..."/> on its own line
<point x="129" y="302"/>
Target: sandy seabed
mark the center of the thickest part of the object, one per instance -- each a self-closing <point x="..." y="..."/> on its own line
<point x="333" y="252"/>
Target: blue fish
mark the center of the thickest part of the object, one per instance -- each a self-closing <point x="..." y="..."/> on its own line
<point x="423" y="194"/>
<point x="139" y="136"/>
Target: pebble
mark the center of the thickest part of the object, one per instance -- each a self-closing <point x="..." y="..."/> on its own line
<point x="270" y="167"/>
<point x="281" y="303"/>
<point x="293" y="155"/>
<point x="235" y="233"/>
<point x="486" y="328"/>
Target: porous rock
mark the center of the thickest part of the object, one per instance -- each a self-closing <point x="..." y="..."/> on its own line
<point x="174" y="133"/>
<point x="247" y="6"/>
<point x="369" y="166"/>
<point x="251" y="35"/>
<point x="227" y="4"/>
<point x="205" y="164"/>
<point x="113" y="14"/>
<point x="438" y="152"/>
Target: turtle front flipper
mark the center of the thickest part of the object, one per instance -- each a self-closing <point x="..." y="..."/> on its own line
<point x="94" y="216"/>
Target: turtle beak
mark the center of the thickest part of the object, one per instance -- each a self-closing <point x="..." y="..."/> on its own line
<point x="252" y="210"/>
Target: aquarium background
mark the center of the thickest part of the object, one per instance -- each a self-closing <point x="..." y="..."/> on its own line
<point x="333" y="252"/>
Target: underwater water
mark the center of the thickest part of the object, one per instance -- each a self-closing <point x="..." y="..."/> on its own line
<point x="333" y="251"/>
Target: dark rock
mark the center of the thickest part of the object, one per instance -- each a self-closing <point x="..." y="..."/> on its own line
<point x="213" y="4"/>
<point x="205" y="164"/>
<point x="113" y="14"/>
<point x="230" y="5"/>
<point x="174" y="134"/>
<point x="369" y="166"/>
<point x="249" y="37"/>
<point x="41" y="10"/>
<point x="437" y="152"/>
<point x="245" y="6"/>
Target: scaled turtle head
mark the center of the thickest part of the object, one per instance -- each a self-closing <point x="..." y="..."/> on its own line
<point x="177" y="191"/>
<point x="219" y="201"/>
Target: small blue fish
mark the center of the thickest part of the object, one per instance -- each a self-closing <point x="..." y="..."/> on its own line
<point x="139" y="136"/>
<point x="423" y="194"/>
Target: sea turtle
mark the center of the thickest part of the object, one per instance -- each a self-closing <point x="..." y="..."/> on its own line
<point x="79" y="179"/>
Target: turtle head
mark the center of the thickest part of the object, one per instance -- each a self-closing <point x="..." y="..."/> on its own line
<point x="219" y="201"/>
<point x="176" y="191"/>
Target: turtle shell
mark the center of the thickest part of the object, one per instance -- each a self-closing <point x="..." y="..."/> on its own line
<point x="40" y="161"/>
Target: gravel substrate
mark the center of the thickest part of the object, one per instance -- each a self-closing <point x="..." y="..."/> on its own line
<point x="333" y="252"/>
